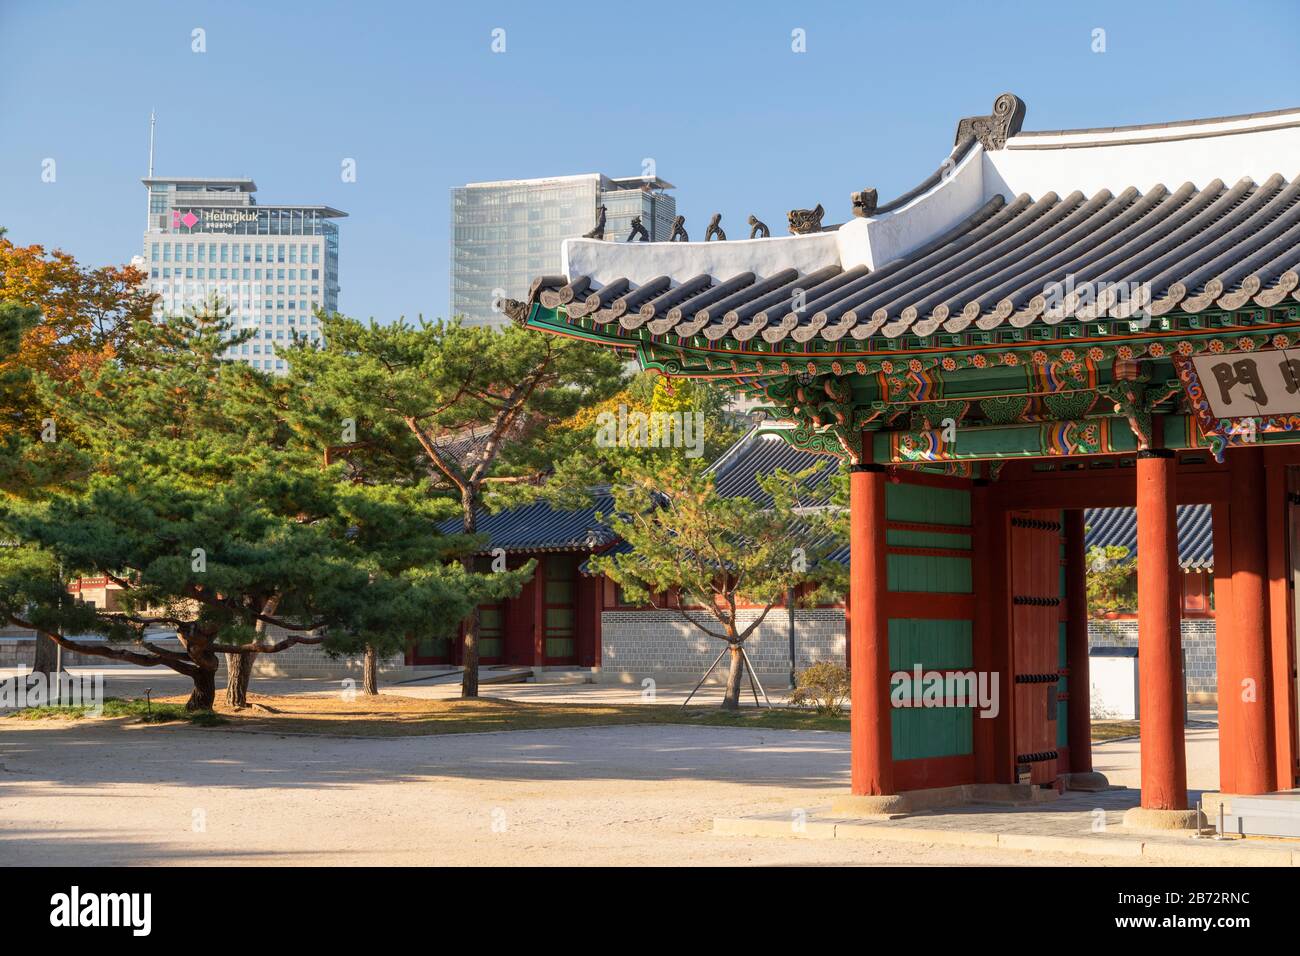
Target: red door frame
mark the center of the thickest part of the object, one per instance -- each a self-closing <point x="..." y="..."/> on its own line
<point x="1200" y="481"/>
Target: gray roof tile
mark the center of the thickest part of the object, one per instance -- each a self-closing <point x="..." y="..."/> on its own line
<point x="1119" y="526"/>
<point x="1189" y="249"/>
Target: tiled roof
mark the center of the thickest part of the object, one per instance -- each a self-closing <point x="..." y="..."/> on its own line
<point x="1187" y="249"/>
<point x="1119" y="526"/>
<point x="539" y="527"/>
<point x="759" y="454"/>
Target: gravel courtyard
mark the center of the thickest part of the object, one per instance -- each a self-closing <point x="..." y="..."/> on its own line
<point x="109" y="793"/>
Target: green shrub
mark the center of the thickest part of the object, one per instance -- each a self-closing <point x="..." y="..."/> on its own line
<point x="822" y="687"/>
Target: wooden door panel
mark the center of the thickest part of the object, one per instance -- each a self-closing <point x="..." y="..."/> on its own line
<point x="1035" y="538"/>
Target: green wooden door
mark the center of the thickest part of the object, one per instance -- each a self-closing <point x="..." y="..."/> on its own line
<point x="491" y="632"/>
<point x="559" y="600"/>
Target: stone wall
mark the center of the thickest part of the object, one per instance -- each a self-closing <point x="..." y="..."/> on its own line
<point x="660" y="645"/>
<point x="19" y="650"/>
<point x="308" y="660"/>
<point x="1198" y="650"/>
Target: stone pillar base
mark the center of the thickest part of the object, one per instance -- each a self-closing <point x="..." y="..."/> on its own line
<point x="1145" y="818"/>
<point x="884" y="805"/>
<point x="1091" y="782"/>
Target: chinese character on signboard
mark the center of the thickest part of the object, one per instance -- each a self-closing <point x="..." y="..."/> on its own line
<point x="1256" y="384"/>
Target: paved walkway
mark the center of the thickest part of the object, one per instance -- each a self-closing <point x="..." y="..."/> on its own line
<point x="104" y="793"/>
<point x="1087" y="824"/>
<point x="616" y="794"/>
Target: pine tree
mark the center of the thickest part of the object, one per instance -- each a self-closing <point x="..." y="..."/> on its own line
<point x="692" y="547"/>
<point x="449" y="407"/>
<point x="196" y="498"/>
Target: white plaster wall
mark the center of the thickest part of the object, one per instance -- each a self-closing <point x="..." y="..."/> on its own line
<point x="1114" y="687"/>
<point x="882" y="239"/>
<point x="642" y="261"/>
<point x="1252" y="151"/>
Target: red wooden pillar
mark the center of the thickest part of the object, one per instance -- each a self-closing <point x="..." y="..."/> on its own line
<point x="539" y="612"/>
<point x="1160" y="666"/>
<point x="871" y="740"/>
<point x="1245" y="701"/>
<point x="1078" y="713"/>
<point x="981" y="636"/>
<point x="597" y="609"/>
<point x="1280" y="481"/>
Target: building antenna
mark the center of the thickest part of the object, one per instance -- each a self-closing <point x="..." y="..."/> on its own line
<point x="148" y="218"/>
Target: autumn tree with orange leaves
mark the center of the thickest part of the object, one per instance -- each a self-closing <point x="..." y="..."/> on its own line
<point x="87" y="317"/>
<point x="58" y="320"/>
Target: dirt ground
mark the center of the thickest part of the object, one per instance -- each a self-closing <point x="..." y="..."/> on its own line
<point x="110" y="792"/>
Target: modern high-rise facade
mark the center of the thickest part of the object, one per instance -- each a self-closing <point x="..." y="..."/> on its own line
<point x="273" y="265"/>
<point x="504" y="233"/>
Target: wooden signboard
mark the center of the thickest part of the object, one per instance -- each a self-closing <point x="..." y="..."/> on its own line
<point x="1251" y="384"/>
<point x="1238" y="397"/>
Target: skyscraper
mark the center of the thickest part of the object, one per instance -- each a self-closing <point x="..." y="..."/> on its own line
<point x="274" y="265"/>
<point x="506" y="232"/>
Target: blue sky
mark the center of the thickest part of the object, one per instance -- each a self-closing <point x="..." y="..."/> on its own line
<point x="711" y="91"/>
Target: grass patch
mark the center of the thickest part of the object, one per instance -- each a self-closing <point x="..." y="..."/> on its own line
<point x="159" y="712"/>
<point x="391" y="716"/>
<point x="141" y="711"/>
<point x="50" y="712"/>
<point x="1114" y="729"/>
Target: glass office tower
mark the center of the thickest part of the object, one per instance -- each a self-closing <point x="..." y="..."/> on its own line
<point x="504" y="233"/>
<point x="274" y="266"/>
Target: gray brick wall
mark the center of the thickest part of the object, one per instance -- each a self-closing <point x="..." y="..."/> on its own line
<point x="662" y="646"/>
<point x="299" y="661"/>
<point x="20" y="651"/>
<point x="1198" y="648"/>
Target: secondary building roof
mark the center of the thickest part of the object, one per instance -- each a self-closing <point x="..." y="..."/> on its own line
<point x="539" y="527"/>
<point x="1119" y="526"/>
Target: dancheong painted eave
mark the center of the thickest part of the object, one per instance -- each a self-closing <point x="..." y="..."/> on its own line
<point x="1076" y="235"/>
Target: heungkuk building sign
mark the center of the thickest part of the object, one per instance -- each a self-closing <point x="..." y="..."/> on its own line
<point x="211" y="220"/>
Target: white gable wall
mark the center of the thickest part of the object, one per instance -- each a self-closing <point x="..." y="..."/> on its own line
<point x="1171" y="155"/>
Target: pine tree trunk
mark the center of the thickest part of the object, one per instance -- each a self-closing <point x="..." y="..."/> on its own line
<point x="239" y="668"/>
<point x="47" y="656"/>
<point x="731" y="699"/>
<point x="469" y="659"/>
<point x="204" y="694"/>
<point x="370" y="676"/>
